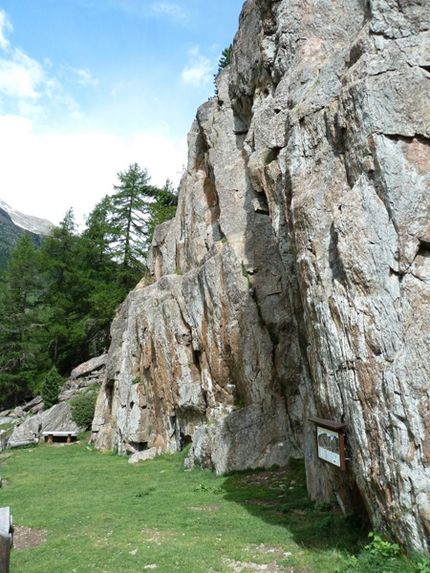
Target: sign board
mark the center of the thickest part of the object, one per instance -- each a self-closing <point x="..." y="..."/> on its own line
<point x="330" y="442"/>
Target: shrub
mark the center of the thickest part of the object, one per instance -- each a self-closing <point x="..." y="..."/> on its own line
<point x="51" y="387"/>
<point x="381" y="548"/>
<point x="83" y="407"/>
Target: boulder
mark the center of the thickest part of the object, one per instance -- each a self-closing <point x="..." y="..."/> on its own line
<point x="56" y="419"/>
<point x="88" y="367"/>
<point x="88" y="374"/>
<point x="145" y="455"/>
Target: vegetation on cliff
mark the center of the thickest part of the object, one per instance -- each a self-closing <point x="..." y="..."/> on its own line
<point x="57" y="302"/>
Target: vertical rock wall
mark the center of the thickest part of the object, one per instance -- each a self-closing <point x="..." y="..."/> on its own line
<point x="208" y="352"/>
<point x="295" y="278"/>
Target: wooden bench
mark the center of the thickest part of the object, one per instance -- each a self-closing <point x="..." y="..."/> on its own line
<point x="49" y="436"/>
<point x="5" y="538"/>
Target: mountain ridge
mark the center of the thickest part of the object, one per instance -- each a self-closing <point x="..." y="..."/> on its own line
<point x="13" y="224"/>
<point x="30" y="223"/>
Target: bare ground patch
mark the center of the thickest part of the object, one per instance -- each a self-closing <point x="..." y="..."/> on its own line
<point x="26" y="537"/>
<point x="272" y="567"/>
<point x="155" y="535"/>
<point x="274" y="556"/>
<point x="272" y="479"/>
<point x="213" y="507"/>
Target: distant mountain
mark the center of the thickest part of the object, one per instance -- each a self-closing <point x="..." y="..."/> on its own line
<point x="13" y="224"/>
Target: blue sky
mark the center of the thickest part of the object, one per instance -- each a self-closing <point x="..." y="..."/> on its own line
<point x="88" y="87"/>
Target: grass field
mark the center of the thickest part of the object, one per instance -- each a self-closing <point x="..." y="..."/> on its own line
<point x="91" y="512"/>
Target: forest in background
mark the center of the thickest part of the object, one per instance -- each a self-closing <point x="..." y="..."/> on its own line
<point x="57" y="302"/>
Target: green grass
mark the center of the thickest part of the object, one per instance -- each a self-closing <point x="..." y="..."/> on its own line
<point x="104" y="515"/>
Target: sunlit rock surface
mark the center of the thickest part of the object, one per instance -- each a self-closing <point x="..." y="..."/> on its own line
<point x="295" y="279"/>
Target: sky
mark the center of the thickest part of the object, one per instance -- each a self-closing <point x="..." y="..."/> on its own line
<point x="89" y="87"/>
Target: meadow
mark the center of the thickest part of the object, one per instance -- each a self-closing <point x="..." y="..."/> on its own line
<point x="78" y="510"/>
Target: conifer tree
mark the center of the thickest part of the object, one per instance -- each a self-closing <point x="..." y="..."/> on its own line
<point x="162" y="208"/>
<point x="51" y="387"/>
<point x="20" y="346"/>
<point x="101" y="275"/>
<point x="130" y="206"/>
<point x="63" y="295"/>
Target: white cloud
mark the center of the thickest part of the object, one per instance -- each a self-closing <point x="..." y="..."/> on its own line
<point x="85" y="78"/>
<point x="144" y="9"/>
<point x="5" y="26"/>
<point x="168" y="9"/>
<point x="199" y="71"/>
<point x="44" y="175"/>
<point x="34" y="89"/>
<point x="20" y="76"/>
<point x="45" y="172"/>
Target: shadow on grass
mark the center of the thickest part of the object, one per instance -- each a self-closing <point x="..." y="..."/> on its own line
<point x="278" y="496"/>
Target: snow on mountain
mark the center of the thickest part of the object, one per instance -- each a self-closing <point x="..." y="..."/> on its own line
<point x="27" y="222"/>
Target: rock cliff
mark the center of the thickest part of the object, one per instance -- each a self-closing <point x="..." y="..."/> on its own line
<point x="295" y="279"/>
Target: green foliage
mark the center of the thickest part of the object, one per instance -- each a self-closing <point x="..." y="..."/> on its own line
<point x="20" y="325"/>
<point x="163" y="208"/>
<point x="208" y="488"/>
<point x="57" y="303"/>
<point x="83" y="407"/>
<point x="51" y="387"/>
<point x="423" y="565"/>
<point x="10" y="235"/>
<point x="382" y="556"/>
<point x="63" y="296"/>
<point x="224" y="61"/>
<point x="381" y="548"/>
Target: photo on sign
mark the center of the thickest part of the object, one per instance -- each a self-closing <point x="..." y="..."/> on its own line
<point x="329" y="446"/>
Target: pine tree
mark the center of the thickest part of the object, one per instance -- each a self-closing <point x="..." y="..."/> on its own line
<point x="64" y="295"/>
<point x="21" y="351"/>
<point x="130" y="206"/>
<point x="51" y="387"/>
<point x="224" y="61"/>
<point x="101" y="275"/>
<point x="163" y="207"/>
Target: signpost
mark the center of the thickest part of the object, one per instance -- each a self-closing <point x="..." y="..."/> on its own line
<point x="330" y="439"/>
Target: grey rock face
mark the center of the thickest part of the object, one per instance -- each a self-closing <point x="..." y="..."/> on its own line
<point x="145" y="455"/>
<point x="214" y="336"/>
<point x="90" y="373"/>
<point x="301" y="249"/>
<point x="56" y="419"/>
<point x="344" y="104"/>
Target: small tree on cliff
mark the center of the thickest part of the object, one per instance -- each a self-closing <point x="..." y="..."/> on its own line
<point x="224" y="61"/>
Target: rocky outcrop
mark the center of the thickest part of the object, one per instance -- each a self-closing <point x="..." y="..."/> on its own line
<point x="30" y="429"/>
<point x="88" y="374"/>
<point x="29" y="421"/>
<point x="295" y="279"/>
